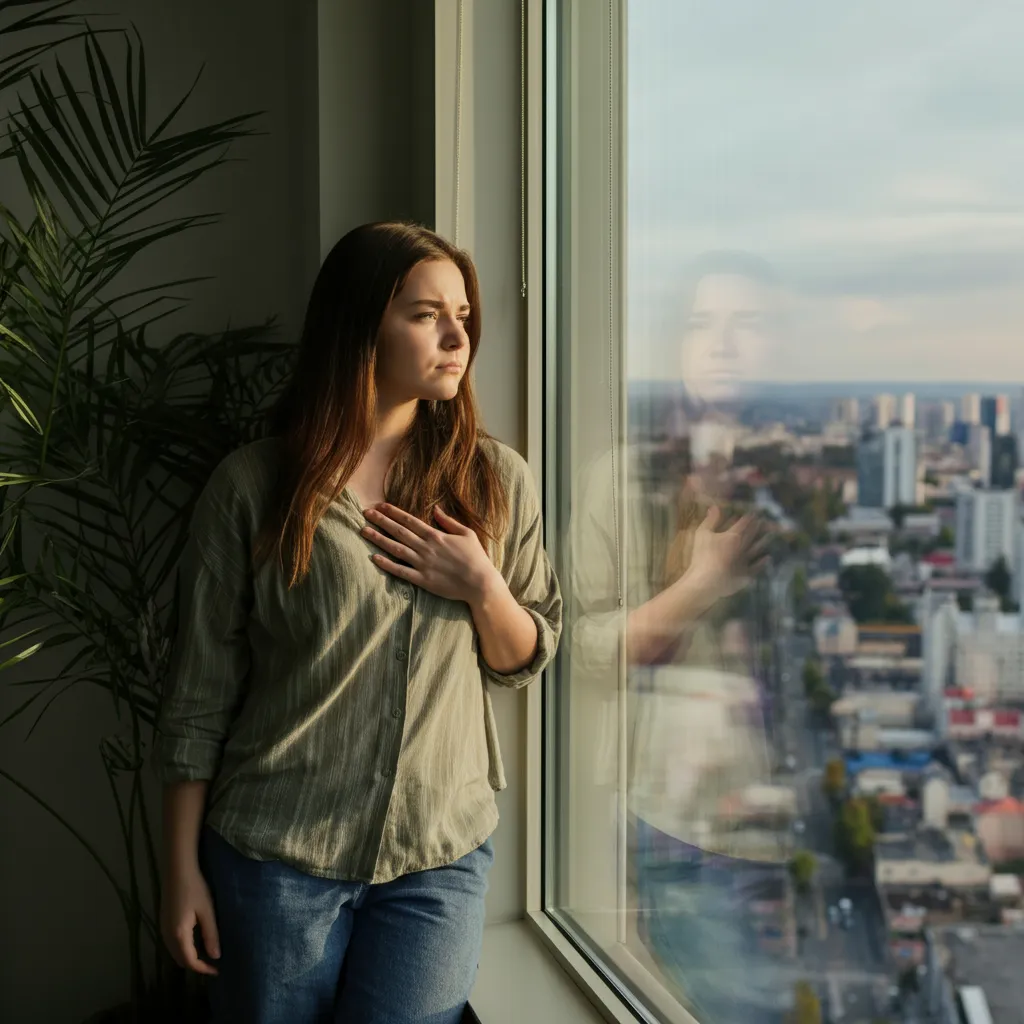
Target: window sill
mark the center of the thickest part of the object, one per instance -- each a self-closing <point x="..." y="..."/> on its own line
<point x="521" y="979"/>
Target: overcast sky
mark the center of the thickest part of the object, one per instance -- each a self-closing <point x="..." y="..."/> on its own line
<point x="872" y="152"/>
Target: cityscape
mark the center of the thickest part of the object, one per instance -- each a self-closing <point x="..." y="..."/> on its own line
<point x="893" y="670"/>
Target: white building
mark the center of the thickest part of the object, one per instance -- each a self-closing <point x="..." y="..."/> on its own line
<point x="908" y="410"/>
<point x="885" y="411"/>
<point x="986" y="527"/>
<point x="981" y="651"/>
<point x="970" y="408"/>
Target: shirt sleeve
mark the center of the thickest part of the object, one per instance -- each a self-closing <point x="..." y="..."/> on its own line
<point x="210" y="662"/>
<point x="531" y="580"/>
<point x="598" y="623"/>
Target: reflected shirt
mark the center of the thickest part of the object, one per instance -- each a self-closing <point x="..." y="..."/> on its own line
<point x="695" y="738"/>
<point x="345" y="725"/>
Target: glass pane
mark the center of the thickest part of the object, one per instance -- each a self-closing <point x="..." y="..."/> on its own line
<point x="787" y="287"/>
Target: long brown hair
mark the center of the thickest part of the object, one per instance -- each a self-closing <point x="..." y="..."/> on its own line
<point x="326" y="417"/>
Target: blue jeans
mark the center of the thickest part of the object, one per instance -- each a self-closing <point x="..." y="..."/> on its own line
<point x="695" y="918"/>
<point x="297" y="949"/>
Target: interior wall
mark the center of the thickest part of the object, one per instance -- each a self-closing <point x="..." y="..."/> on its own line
<point x="363" y="150"/>
<point x="376" y="67"/>
<point x="489" y="227"/>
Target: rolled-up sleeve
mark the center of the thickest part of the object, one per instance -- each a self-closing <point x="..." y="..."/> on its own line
<point x="531" y="580"/>
<point x="597" y="621"/>
<point x="210" y="662"/>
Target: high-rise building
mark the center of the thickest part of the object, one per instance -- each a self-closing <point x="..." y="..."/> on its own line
<point x="937" y="419"/>
<point x="885" y="411"/>
<point x="995" y="414"/>
<point x="986" y="528"/>
<point x="979" y="450"/>
<point x="908" y="410"/>
<point x="1003" y="474"/>
<point x="846" y="411"/>
<point x="970" y="408"/>
<point x="887" y="468"/>
<point x="1002" y="415"/>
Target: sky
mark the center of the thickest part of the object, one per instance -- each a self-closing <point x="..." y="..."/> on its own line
<point x="871" y="152"/>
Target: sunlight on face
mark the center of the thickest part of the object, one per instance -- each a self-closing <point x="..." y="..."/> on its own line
<point x="422" y="348"/>
<point x="726" y="337"/>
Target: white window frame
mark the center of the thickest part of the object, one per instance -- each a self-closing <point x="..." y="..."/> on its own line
<point x="611" y="995"/>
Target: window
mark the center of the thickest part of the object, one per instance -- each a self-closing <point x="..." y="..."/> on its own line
<point x="775" y="233"/>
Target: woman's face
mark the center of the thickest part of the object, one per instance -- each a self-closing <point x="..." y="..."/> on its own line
<point x="726" y="337"/>
<point x="422" y="347"/>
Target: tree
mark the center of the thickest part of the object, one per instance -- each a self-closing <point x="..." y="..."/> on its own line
<point x="946" y="538"/>
<point x="802" y="868"/>
<point x="897" y="514"/>
<point x="867" y="590"/>
<point x="997" y="579"/>
<point x="799" y="588"/>
<point x="833" y="782"/>
<point x="806" y="1005"/>
<point x="822" y="699"/>
<point x="855" y="835"/>
<point x="812" y="677"/>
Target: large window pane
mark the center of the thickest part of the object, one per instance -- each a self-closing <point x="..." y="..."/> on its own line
<point x="785" y="294"/>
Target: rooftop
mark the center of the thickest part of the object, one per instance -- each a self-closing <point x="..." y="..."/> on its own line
<point x="990" y="957"/>
<point x="931" y="845"/>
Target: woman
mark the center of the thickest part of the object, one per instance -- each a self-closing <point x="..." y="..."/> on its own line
<point x="350" y="587"/>
<point x="694" y="731"/>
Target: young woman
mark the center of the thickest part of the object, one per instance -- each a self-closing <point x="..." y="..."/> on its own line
<point x="350" y="587"/>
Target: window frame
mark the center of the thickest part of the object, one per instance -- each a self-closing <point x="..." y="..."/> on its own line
<point x="611" y="991"/>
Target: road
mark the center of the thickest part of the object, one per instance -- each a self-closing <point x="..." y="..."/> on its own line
<point x="846" y="966"/>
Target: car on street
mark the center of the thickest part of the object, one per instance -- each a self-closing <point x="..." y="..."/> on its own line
<point x="845" y="907"/>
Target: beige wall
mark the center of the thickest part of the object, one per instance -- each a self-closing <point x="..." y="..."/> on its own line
<point x="488" y="220"/>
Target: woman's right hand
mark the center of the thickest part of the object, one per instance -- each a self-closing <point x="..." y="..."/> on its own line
<point x="725" y="560"/>
<point x="185" y="903"/>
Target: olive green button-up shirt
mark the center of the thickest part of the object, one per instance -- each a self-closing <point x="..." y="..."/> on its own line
<point x="345" y="725"/>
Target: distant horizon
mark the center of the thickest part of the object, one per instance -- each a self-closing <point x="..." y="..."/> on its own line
<point x="847" y="387"/>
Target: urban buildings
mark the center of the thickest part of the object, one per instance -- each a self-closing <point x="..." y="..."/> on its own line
<point x="887" y="468"/>
<point x="986" y="528"/>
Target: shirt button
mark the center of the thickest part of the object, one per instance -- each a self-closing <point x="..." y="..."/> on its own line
<point x="397" y="713"/>
<point x="400" y="655"/>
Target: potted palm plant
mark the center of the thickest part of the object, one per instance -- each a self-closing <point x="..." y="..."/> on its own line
<point x="108" y="430"/>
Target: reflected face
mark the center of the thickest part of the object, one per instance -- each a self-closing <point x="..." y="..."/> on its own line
<point x="727" y="336"/>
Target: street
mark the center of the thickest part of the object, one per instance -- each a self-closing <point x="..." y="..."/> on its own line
<point x="846" y="966"/>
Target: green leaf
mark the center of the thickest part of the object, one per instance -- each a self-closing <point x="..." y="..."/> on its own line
<point x="21" y="407"/>
<point x="22" y="656"/>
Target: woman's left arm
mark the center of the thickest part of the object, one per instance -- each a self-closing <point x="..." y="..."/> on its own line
<point x="509" y="635"/>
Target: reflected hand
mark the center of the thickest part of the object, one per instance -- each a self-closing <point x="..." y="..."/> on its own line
<point x="725" y="560"/>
